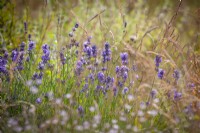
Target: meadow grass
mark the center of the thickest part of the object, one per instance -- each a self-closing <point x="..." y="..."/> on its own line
<point x="99" y="67"/>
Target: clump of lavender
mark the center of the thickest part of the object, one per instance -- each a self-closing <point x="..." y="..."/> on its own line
<point x="160" y="73"/>
<point x="158" y="60"/>
<point x="106" y="54"/>
<point x="124" y="58"/>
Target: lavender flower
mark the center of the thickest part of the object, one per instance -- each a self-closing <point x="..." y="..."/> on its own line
<point x="91" y="77"/>
<point x="158" y="60"/>
<point x="71" y="34"/>
<point x="25" y="27"/>
<point x="153" y="93"/>
<point x="79" y="68"/>
<point x="41" y="66"/>
<point x="124" y="58"/>
<point x="176" y="74"/>
<point x="14" y="55"/>
<point x="20" y="62"/>
<point x="125" y="76"/>
<point x="94" y="51"/>
<point x="46" y="53"/>
<point x="38" y="100"/>
<point x="76" y="25"/>
<point x="85" y="87"/>
<point x="3" y="63"/>
<point x="106" y="54"/>
<point x="22" y="46"/>
<point x="117" y="70"/>
<point x="177" y="95"/>
<point x="62" y="58"/>
<point x="81" y="111"/>
<point x="31" y="45"/>
<point x="115" y="91"/>
<point x="160" y="73"/>
<point x="125" y="90"/>
<point x="35" y="76"/>
<point x="100" y="77"/>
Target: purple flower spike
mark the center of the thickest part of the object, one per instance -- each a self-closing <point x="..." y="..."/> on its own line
<point x="125" y="90"/>
<point x="31" y="45"/>
<point x="124" y="58"/>
<point x="177" y="95"/>
<point x="62" y="58"/>
<point x="158" y="60"/>
<point x="100" y="77"/>
<point x="153" y="93"/>
<point x="106" y="54"/>
<point x="176" y="74"/>
<point x="76" y="25"/>
<point x="22" y="46"/>
<point x="94" y="51"/>
<point x="14" y="55"/>
<point x="38" y="100"/>
<point x="79" y="68"/>
<point x="80" y="111"/>
<point x="160" y="73"/>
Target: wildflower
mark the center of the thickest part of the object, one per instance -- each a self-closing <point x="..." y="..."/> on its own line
<point x="62" y="58"/>
<point x="79" y="67"/>
<point x="100" y="77"/>
<point x="34" y="89"/>
<point x="76" y="25"/>
<point x="38" y="100"/>
<point x="125" y="90"/>
<point x="152" y="112"/>
<point x="94" y="51"/>
<point x="117" y="70"/>
<point x="125" y="76"/>
<point x="158" y="60"/>
<point x="20" y="62"/>
<point x="46" y="53"/>
<point x="85" y="87"/>
<point x="22" y="46"/>
<point x="3" y="63"/>
<point x="35" y="76"/>
<point x="71" y="34"/>
<point x="106" y="53"/>
<point x="177" y="95"/>
<point x="115" y="91"/>
<point x="160" y="73"/>
<point x="176" y="74"/>
<point x="80" y="111"/>
<point x="14" y="55"/>
<point x="88" y="52"/>
<point x="153" y="93"/>
<point x="31" y="45"/>
<point x="124" y="58"/>
<point x="41" y="66"/>
<point x="25" y="27"/>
